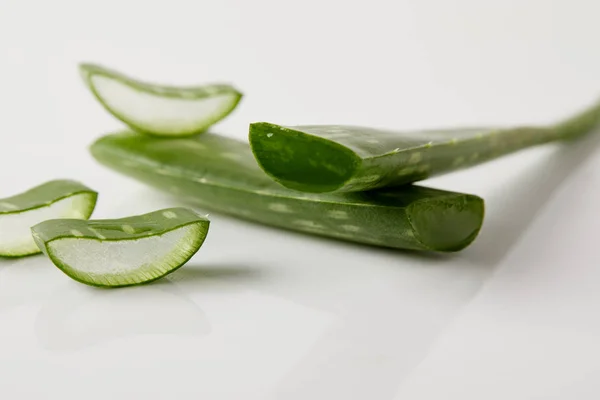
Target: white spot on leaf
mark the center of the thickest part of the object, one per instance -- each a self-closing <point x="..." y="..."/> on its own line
<point x="308" y="224"/>
<point x="98" y="234"/>
<point x="269" y="135"/>
<point x="128" y="229"/>
<point x="280" y="207"/>
<point x="338" y="214"/>
<point x="8" y="206"/>
<point x="169" y="214"/>
<point x="351" y="228"/>
<point x="75" y="232"/>
<point x="415" y="158"/>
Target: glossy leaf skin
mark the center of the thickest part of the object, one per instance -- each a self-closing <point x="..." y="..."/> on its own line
<point x="54" y="199"/>
<point x="221" y="174"/>
<point x="160" y="109"/>
<point x="333" y="158"/>
<point x="112" y="266"/>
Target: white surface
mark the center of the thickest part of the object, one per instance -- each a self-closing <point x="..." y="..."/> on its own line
<point x="265" y="314"/>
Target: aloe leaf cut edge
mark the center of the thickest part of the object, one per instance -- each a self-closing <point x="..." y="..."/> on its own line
<point x="125" y="251"/>
<point x="219" y="173"/>
<point x="159" y="109"/>
<point x="330" y="158"/>
<point x="53" y="199"/>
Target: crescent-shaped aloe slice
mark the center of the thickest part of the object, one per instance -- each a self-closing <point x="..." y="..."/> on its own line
<point x="221" y="174"/>
<point x="328" y="158"/>
<point x="53" y="199"/>
<point x="122" y="252"/>
<point x="159" y="109"/>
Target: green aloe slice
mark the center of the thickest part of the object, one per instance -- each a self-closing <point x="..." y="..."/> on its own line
<point x="221" y="174"/>
<point x="327" y="158"/>
<point x="122" y="252"/>
<point x="159" y="109"/>
<point x="53" y="199"/>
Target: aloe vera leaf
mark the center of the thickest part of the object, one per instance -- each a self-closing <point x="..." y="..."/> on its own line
<point x="159" y="109"/>
<point x="122" y="252"/>
<point x="53" y="199"/>
<point x="329" y="158"/>
<point x="220" y="174"/>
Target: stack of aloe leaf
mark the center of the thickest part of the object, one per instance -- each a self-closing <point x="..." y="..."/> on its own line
<point x="346" y="182"/>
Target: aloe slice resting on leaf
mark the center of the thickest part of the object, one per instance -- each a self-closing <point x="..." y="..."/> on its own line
<point x="125" y="251"/>
<point x="328" y="158"/>
<point x="221" y="174"/>
<point x="159" y="109"/>
<point x="53" y="199"/>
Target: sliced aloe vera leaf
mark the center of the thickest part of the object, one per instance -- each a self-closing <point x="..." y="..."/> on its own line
<point x="327" y="158"/>
<point x="220" y="174"/>
<point x="159" y="109"/>
<point x="53" y="199"/>
<point x="122" y="252"/>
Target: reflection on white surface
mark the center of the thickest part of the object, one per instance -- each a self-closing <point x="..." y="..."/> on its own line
<point x="24" y="281"/>
<point x="76" y="316"/>
<point x="518" y="203"/>
<point x="533" y="332"/>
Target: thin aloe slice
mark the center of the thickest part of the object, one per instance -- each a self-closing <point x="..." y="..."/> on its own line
<point x="53" y="199"/>
<point x="328" y="158"/>
<point x="159" y="109"/>
<point x="221" y="174"/>
<point x="122" y="252"/>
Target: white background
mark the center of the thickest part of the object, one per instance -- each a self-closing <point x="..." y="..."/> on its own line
<point x="260" y="313"/>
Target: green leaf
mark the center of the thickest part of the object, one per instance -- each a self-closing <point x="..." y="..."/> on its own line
<point x="221" y="174"/>
<point x="122" y="252"/>
<point x="159" y="109"/>
<point x="53" y="199"/>
<point x="330" y="158"/>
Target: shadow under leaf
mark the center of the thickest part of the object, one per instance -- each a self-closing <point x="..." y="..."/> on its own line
<point x="506" y="222"/>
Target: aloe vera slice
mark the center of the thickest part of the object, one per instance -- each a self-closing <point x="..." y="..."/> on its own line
<point x="159" y="109"/>
<point x="122" y="252"/>
<point x="327" y="158"/>
<point x="53" y="199"/>
<point x="221" y="174"/>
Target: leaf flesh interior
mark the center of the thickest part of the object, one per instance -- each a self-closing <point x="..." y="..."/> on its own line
<point x="54" y="199"/>
<point x="123" y="252"/>
<point x="161" y="110"/>
<point x="125" y="262"/>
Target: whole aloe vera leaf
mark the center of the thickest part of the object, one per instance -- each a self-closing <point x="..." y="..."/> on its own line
<point x="125" y="251"/>
<point x="330" y="158"/>
<point x="159" y="109"/>
<point x="221" y="174"/>
<point x="61" y="198"/>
